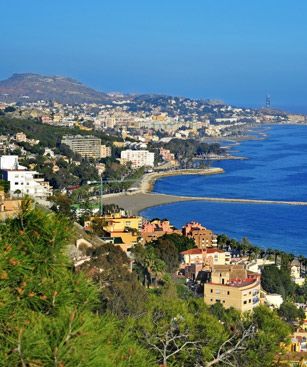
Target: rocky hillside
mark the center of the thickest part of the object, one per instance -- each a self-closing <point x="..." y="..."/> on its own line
<point x="33" y="87"/>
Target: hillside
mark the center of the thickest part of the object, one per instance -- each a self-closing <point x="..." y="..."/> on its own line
<point x="33" y="87"/>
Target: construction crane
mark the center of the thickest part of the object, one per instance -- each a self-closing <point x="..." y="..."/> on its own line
<point x="101" y="182"/>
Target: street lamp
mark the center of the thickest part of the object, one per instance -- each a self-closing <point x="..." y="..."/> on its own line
<point x="101" y="189"/>
<point x="101" y="193"/>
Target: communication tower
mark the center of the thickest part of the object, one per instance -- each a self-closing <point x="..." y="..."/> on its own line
<point x="268" y="101"/>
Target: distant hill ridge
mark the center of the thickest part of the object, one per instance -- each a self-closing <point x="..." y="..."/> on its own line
<point x="33" y="87"/>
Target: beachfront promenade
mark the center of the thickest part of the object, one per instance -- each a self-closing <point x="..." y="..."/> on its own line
<point x="144" y="198"/>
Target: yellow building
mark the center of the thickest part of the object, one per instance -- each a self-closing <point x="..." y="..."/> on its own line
<point x="8" y="207"/>
<point x="160" y="117"/>
<point x="233" y="286"/>
<point x="119" y="144"/>
<point x="82" y="127"/>
<point x="296" y="118"/>
<point x="118" y="222"/>
<point x="126" y="229"/>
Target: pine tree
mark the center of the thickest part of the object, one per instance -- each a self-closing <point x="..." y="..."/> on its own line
<point x="48" y="313"/>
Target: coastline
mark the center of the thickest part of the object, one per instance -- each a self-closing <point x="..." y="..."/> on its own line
<point x="149" y="179"/>
<point x="143" y="198"/>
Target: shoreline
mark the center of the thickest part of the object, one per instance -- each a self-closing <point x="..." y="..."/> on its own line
<point x="144" y="197"/>
<point x="149" y="179"/>
<point x="137" y="202"/>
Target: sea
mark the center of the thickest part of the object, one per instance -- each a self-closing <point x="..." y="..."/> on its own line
<point x="275" y="169"/>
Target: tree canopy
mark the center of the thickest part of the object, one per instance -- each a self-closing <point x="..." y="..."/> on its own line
<point x="47" y="312"/>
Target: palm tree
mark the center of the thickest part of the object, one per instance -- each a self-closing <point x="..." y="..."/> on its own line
<point x="276" y="254"/>
<point x="301" y="261"/>
<point x="269" y="252"/>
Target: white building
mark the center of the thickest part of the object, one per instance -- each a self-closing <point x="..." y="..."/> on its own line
<point x="22" y="181"/>
<point x="138" y="158"/>
<point x="210" y="256"/>
<point x="273" y="300"/>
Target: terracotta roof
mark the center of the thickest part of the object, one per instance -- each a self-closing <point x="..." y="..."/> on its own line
<point x="196" y="251"/>
<point x="212" y="250"/>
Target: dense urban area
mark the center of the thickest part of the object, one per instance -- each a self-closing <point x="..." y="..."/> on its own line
<point x="85" y="283"/>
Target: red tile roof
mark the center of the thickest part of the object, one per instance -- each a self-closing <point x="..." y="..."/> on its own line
<point x="198" y="251"/>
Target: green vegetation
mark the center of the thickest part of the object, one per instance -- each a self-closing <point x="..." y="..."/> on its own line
<point x="119" y="290"/>
<point x="49" y="136"/>
<point x="48" y="314"/>
<point x="162" y="254"/>
<point x="5" y="185"/>
<point x="101" y="315"/>
<point x="188" y="149"/>
<point x="68" y="168"/>
<point x="275" y="280"/>
<point x="290" y="313"/>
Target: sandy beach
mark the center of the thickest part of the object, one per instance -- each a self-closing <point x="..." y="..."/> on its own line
<point x="143" y="198"/>
<point x="149" y="179"/>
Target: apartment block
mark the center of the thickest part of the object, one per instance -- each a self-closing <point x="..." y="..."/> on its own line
<point x="105" y="151"/>
<point x="156" y="228"/>
<point x="202" y="236"/>
<point x="85" y="145"/>
<point x="138" y="158"/>
<point x="233" y="286"/>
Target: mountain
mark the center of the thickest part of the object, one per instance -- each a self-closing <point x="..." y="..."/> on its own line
<point x="33" y="87"/>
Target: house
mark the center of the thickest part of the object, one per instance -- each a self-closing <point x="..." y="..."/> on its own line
<point x="233" y="286"/>
<point x="209" y="256"/>
<point x="296" y="274"/>
<point x="9" y="207"/>
<point x="22" y="181"/>
<point x="124" y="229"/>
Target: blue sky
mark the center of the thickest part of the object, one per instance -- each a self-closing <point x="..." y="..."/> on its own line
<point x="235" y="50"/>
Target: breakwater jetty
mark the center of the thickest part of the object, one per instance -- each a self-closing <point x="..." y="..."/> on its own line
<point x="143" y="198"/>
<point x="139" y="201"/>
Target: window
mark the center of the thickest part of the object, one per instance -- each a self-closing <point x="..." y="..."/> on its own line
<point x="228" y="293"/>
<point x="249" y="301"/>
<point x="245" y="302"/>
<point x="218" y="300"/>
<point x="211" y="290"/>
<point x="16" y="183"/>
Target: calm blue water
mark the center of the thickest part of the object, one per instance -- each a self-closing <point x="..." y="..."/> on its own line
<point x="276" y="169"/>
